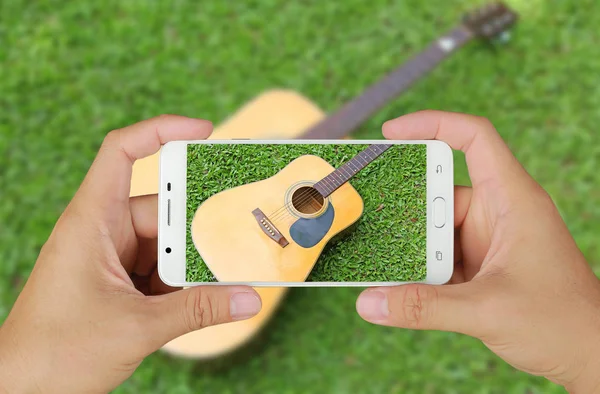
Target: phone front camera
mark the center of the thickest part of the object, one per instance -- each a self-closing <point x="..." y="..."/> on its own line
<point x="168" y="250"/>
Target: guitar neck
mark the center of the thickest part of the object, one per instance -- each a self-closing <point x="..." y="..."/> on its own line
<point x="346" y="171"/>
<point x="354" y="113"/>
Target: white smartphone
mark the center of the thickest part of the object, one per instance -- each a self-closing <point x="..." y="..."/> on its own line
<point x="306" y="213"/>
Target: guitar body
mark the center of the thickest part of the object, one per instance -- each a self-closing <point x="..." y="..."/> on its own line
<point x="275" y="114"/>
<point x="271" y="115"/>
<point x="234" y="245"/>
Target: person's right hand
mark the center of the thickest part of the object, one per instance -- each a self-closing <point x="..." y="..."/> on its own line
<point x="520" y="284"/>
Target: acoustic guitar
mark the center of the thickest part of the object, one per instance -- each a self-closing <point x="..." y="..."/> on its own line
<point x="274" y="230"/>
<point x="285" y="114"/>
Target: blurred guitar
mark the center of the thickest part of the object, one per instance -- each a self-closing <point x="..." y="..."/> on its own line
<point x="282" y="114"/>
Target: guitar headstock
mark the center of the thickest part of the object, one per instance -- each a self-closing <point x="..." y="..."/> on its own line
<point x="490" y="21"/>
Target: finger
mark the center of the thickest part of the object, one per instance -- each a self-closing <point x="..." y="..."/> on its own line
<point x="158" y="287"/>
<point x="144" y="215"/>
<point x="488" y="157"/>
<point x="141" y="283"/>
<point x="458" y="256"/>
<point x="146" y="260"/>
<point x="109" y="178"/>
<point x="458" y="275"/>
<point x="184" y="311"/>
<point x="462" y="201"/>
<point x="147" y="257"/>
<point x="421" y="307"/>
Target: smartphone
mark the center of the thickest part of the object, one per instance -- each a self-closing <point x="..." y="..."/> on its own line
<point x="305" y="213"/>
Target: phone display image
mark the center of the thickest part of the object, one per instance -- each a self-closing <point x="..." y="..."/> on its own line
<point x="306" y="212"/>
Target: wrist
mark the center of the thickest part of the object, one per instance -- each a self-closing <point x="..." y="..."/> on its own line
<point x="584" y="384"/>
<point x="588" y="379"/>
<point x="14" y="376"/>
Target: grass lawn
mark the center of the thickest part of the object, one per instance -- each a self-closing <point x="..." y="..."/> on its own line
<point x="387" y="244"/>
<point x="72" y="71"/>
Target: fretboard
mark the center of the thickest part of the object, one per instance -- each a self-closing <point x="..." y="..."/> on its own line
<point x="338" y="177"/>
<point x="354" y="113"/>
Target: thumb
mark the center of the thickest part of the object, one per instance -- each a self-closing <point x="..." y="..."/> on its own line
<point x="188" y="310"/>
<point x="421" y="307"/>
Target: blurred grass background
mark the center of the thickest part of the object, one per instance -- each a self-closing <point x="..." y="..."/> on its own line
<point x="72" y="71"/>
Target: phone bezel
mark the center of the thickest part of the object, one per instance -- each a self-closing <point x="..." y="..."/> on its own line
<point x="172" y="212"/>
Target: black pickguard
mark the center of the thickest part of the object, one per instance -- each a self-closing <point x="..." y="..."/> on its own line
<point x="309" y="232"/>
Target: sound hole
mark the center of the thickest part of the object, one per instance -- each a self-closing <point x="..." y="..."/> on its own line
<point x="307" y="200"/>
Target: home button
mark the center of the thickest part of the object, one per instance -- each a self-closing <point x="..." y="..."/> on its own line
<point x="439" y="212"/>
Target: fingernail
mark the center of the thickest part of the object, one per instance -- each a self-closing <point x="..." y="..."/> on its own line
<point x="372" y="305"/>
<point x="244" y="305"/>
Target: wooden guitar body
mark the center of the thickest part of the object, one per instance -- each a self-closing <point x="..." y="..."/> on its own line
<point x="271" y="115"/>
<point x="275" y="114"/>
<point x="236" y="248"/>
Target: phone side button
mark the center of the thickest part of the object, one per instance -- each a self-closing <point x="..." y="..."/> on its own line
<point x="439" y="212"/>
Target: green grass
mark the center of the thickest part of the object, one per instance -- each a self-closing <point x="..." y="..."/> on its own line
<point x="72" y="71"/>
<point x="387" y="244"/>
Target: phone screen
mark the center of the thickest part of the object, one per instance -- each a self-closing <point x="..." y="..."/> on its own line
<point x="306" y="212"/>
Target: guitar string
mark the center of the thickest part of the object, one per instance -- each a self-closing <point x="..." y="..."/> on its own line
<point x="351" y="173"/>
<point x="301" y="208"/>
<point x="305" y="199"/>
<point x="357" y="168"/>
<point x="331" y="183"/>
<point x="305" y="196"/>
<point x="278" y="213"/>
<point x="302" y="198"/>
<point x="285" y="219"/>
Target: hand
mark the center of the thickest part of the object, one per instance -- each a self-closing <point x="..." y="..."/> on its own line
<point x="81" y="324"/>
<point x="520" y="284"/>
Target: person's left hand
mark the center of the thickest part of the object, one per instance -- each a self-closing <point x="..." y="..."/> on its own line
<point x="94" y="307"/>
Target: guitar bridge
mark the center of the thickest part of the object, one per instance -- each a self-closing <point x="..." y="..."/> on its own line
<point x="269" y="229"/>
